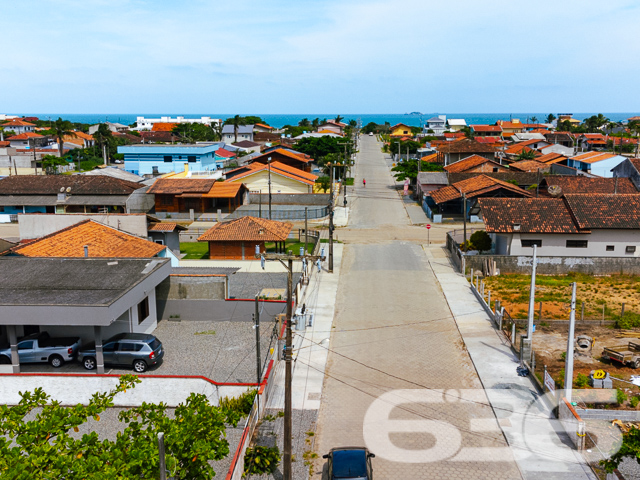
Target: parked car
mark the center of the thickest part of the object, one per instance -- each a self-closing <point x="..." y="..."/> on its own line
<point x="350" y="463"/>
<point x="137" y="350"/>
<point x="371" y="134"/>
<point x="41" y="348"/>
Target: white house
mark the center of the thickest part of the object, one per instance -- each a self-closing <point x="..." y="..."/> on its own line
<point x="245" y="132"/>
<point x="18" y="126"/>
<point x="113" y="127"/>
<point x="557" y="148"/>
<point x="456" y="124"/>
<point x="147" y="123"/>
<point x="596" y="163"/>
<point x="436" y="124"/>
<point x="577" y="225"/>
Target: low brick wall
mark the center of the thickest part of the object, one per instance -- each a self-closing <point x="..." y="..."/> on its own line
<point x="558" y="265"/>
<point x="321" y="199"/>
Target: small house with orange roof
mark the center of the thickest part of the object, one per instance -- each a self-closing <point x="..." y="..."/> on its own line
<point x="163" y="127"/>
<point x="331" y="126"/>
<point x="286" y="156"/>
<point x="177" y="197"/>
<point x="261" y="127"/>
<point x="17" y="126"/>
<point x="476" y="164"/>
<point x="486" y="130"/>
<point x="78" y="140"/>
<point x="283" y="178"/>
<point x="237" y="239"/>
<point x="400" y="130"/>
<point x="28" y="140"/>
<point x="511" y="126"/>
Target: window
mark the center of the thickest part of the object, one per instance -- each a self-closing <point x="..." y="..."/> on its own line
<point x="495" y="169"/>
<point x="143" y="310"/>
<point x="191" y="158"/>
<point x="109" y="347"/>
<point x="610" y="248"/>
<point x="130" y="347"/>
<point x="577" y="243"/>
<point x="25" y="345"/>
<point x="531" y="243"/>
<point x="179" y="157"/>
<point x="630" y="249"/>
<point x="166" y="200"/>
<point x="168" y="159"/>
<point x="159" y="242"/>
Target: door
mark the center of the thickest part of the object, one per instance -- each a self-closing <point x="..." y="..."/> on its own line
<point x="127" y="352"/>
<point x="25" y="351"/>
<point x="109" y="352"/>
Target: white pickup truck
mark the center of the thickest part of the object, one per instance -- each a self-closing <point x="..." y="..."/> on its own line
<point x="41" y="348"/>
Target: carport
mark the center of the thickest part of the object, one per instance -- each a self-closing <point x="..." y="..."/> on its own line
<point x="85" y="297"/>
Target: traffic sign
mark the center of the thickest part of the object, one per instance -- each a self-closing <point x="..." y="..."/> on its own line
<point x="428" y="226"/>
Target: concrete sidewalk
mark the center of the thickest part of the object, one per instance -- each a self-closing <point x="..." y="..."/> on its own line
<point x="539" y="448"/>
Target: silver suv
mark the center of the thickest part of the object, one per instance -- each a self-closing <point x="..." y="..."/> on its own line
<point x="136" y="350"/>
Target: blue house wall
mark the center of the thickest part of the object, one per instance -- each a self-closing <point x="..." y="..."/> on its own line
<point x="141" y="159"/>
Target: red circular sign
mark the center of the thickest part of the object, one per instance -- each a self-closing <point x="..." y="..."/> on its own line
<point x="428" y="226"/>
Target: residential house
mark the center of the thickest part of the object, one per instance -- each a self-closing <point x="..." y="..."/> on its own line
<point x="78" y="140"/>
<point x="533" y="143"/>
<point x="91" y="298"/>
<point x="116" y="172"/>
<point x="247" y="146"/>
<point x="629" y="168"/>
<point x="530" y="166"/>
<point x="523" y="180"/>
<point x="176" y="197"/>
<point x="496" y="141"/>
<point x="159" y="159"/>
<point x="514" y="150"/>
<point x="591" y="141"/>
<point x="557" y="148"/>
<point x="566" y="139"/>
<point x="558" y="185"/>
<point x="113" y="127"/>
<point x="224" y="157"/>
<point x="148" y="123"/>
<point x="453" y="152"/>
<point x="577" y="225"/>
<point x="283" y="178"/>
<point x="91" y="239"/>
<point x="511" y="127"/>
<point x="158" y="137"/>
<point x="331" y="126"/>
<point x="522" y="137"/>
<point x="596" y="163"/>
<point x="451" y="136"/>
<point x="324" y="133"/>
<point x="486" y="130"/>
<point x="456" y="124"/>
<point x="167" y="233"/>
<point x="261" y="127"/>
<point x="430" y="181"/>
<point x="551" y="158"/>
<point x="449" y="199"/>
<point x="72" y="194"/>
<point x="437" y="125"/>
<point x="229" y="135"/>
<point x="18" y="126"/>
<point x="476" y="164"/>
<point x="285" y="156"/>
<point x="28" y="140"/>
<point x="400" y="130"/>
<point x="237" y="239"/>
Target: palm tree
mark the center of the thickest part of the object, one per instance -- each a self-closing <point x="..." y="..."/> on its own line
<point x="184" y="131"/>
<point x="101" y="136"/>
<point x="353" y="123"/>
<point x="634" y="127"/>
<point x="338" y="119"/>
<point x="611" y="126"/>
<point x="237" y="121"/>
<point x="62" y="128"/>
<point x="217" y="130"/>
<point x="550" y="118"/>
<point x="534" y="119"/>
<point x="526" y="155"/>
<point x="304" y="123"/>
<point x="315" y="123"/>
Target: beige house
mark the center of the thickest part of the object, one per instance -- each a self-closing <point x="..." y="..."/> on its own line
<point x="284" y="178"/>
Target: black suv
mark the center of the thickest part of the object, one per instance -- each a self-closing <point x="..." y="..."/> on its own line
<point x="350" y="463"/>
<point x="136" y="350"/>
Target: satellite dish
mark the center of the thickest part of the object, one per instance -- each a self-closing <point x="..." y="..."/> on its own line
<point x="61" y="189"/>
<point x="68" y="189"/>
<point x="554" y="190"/>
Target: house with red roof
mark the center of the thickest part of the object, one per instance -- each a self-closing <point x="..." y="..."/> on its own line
<point x="283" y="178"/>
<point x="17" y="126"/>
<point x="486" y="130"/>
<point x="286" y="156"/>
<point x="28" y="140"/>
<point x="261" y="127"/>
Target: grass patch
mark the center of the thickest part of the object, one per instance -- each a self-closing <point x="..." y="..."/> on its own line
<point x="348" y="182"/>
<point x="206" y="332"/>
<point x="195" y="250"/>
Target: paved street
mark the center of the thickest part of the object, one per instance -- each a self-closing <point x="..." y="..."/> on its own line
<point x="393" y="330"/>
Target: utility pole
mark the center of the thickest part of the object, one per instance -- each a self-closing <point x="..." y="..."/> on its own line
<point x="568" y="368"/>
<point x="331" y="220"/>
<point x="288" y="351"/>
<point x="306" y="231"/>
<point x="532" y="294"/>
<point x="256" y="317"/>
<point x="269" y="165"/>
<point x="163" y="466"/>
<point x="260" y="204"/>
<point x="464" y="217"/>
<point x="35" y="163"/>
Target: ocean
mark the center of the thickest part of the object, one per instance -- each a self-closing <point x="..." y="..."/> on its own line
<point x="280" y="120"/>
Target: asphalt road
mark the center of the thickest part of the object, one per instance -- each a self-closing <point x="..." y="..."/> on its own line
<point x="393" y="330"/>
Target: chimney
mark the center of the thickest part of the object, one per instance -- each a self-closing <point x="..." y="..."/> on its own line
<point x="86" y="251"/>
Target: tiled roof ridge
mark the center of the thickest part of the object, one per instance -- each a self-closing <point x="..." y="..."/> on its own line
<point x="52" y="234"/>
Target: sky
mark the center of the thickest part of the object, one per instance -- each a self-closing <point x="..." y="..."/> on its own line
<point x="306" y="56"/>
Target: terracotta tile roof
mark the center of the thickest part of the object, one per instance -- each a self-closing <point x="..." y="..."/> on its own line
<point x="523" y="179"/>
<point x="467" y="145"/>
<point x="224" y="190"/>
<point x="533" y="141"/>
<point x="533" y="215"/>
<point x="468" y="163"/>
<point x="517" y="149"/>
<point x="79" y="185"/>
<point x="551" y="158"/>
<point x="454" y="134"/>
<point x="248" y="229"/>
<point x="179" y="186"/>
<point x="103" y="241"/>
<point x="474" y="187"/>
<point x="283" y="151"/>
<point x="25" y="136"/>
<point x="528" y="165"/>
<point x="625" y="141"/>
<point x="4" y="143"/>
<point x="592" y="157"/>
<point x="163" y="127"/>
<point x="581" y="184"/>
<point x="494" y="140"/>
<point x="221" y="152"/>
<point x="486" y="128"/>
<point x="166" y="227"/>
<point x="505" y="124"/>
<point x="595" y="211"/>
<point x="635" y="162"/>
<point x="264" y="126"/>
<point x="16" y="123"/>
<point x="83" y="135"/>
<point x="430" y="158"/>
<point x="278" y="168"/>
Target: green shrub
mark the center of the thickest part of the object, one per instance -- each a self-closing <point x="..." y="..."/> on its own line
<point x="634" y="402"/>
<point x="621" y="397"/>
<point x="259" y="460"/>
<point x="241" y="404"/>
<point x="581" y="381"/>
<point x="563" y="356"/>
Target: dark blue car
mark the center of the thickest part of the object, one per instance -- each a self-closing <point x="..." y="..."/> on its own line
<point x="350" y="463"/>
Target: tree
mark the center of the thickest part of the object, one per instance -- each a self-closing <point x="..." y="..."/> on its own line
<point x="534" y="119"/>
<point x="237" y="121"/>
<point x="51" y="163"/>
<point x="526" y="155"/>
<point x="634" y="127"/>
<point x="481" y="241"/>
<point x="409" y="169"/>
<point x="467" y="132"/>
<point x="401" y="147"/>
<point x="550" y="118"/>
<point x="185" y="132"/>
<point x="60" y="129"/>
<point x="45" y="447"/>
<point x="353" y="123"/>
<point x="318" y="147"/>
<point x="304" y="123"/>
<point x="248" y="120"/>
<point x="102" y="136"/>
<point x="323" y="183"/>
<point x="338" y="119"/>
